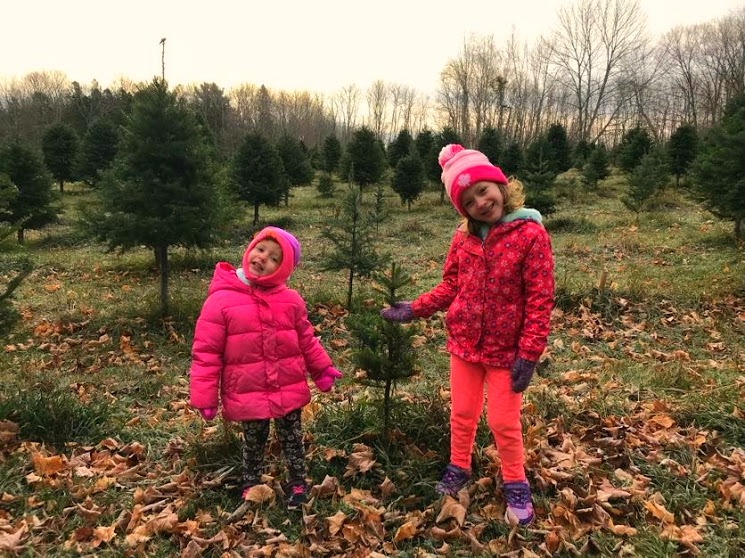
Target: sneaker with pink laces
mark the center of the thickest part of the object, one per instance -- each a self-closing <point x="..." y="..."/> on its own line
<point x="297" y="494"/>
<point x="519" y="503"/>
<point x="453" y="479"/>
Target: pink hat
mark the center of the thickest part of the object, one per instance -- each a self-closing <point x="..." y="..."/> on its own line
<point x="462" y="168"/>
<point x="290" y="256"/>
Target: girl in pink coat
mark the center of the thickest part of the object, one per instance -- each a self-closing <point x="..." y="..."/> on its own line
<point x="253" y="350"/>
<point x="498" y="289"/>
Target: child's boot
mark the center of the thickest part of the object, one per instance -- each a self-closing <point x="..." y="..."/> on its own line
<point x="519" y="503"/>
<point x="453" y="479"/>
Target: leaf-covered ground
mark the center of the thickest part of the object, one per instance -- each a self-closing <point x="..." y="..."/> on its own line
<point x="634" y="429"/>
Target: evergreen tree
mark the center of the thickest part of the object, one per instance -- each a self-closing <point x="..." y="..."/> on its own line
<point x="719" y="168"/>
<point x="385" y="351"/>
<point x="649" y="177"/>
<point x="331" y="154"/>
<point x="636" y="143"/>
<point x="539" y="182"/>
<point x="60" y="147"/>
<point x="558" y="155"/>
<point x="161" y="191"/>
<point x="379" y="211"/>
<point x="365" y="160"/>
<point x="400" y="148"/>
<point x="424" y="144"/>
<point x="258" y="173"/>
<point x="408" y="179"/>
<point x="681" y="150"/>
<point x="512" y="159"/>
<point x="433" y="169"/>
<point x="490" y="144"/>
<point x="596" y="167"/>
<point x="582" y="152"/>
<point x="34" y="207"/>
<point x="99" y="147"/>
<point x="295" y="160"/>
<point x="12" y="273"/>
<point x="296" y="163"/>
<point x="326" y="185"/>
<point x="353" y="235"/>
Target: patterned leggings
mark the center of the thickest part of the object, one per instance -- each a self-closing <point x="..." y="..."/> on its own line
<point x="290" y="434"/>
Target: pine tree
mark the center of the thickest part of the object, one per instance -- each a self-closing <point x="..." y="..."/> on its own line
<point x="60" y="147"/>
<point x="649" y="177"/>
<point x="12" y="273"/>
<point x="681" y="149"/>
<point x="161" y="191"/>
<point x="400" y="148"/>
<point x="559" y="151"/>
<point x="447" y="136"/>
<point x="258" y="173"/>
<point x="408" y="179"/>
<point x="719" y="169"/>
<point x="364" y="158"/>
<point x="513" y="159"/>
<point x="34" y="207"/>
<point x="353" y="235"/>
<point x="295" y="161"/>
<point x="596" y="167"/>
<point x="490" y="144"/>
<point x="98" y="150"/>
<point x="385" y="351"/>
<point x="331" y="154"/>
<point x="636" y="143"/>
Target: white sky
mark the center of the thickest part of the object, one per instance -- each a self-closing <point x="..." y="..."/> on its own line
<point x="314" y="45"/>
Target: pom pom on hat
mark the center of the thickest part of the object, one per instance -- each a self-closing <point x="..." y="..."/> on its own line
<point x="462" y="168"/>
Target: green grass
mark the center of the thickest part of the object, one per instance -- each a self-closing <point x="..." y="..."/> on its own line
<point x="648" y="325"/>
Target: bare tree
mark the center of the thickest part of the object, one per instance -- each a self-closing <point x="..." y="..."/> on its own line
<point x="594" y="42"/>
<point x="377" y="103"/>
<point x="346" y="106"/>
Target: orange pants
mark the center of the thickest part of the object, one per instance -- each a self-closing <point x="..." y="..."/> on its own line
<point x="467" y="381"/>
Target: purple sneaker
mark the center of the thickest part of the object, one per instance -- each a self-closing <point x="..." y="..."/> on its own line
<point x="519" y="503"/>
<point x="453" y="479"/>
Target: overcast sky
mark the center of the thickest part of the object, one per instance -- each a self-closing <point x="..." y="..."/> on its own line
<point x="314" y="45"/>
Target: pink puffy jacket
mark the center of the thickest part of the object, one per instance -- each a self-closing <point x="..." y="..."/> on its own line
<point x="253" y="349"/>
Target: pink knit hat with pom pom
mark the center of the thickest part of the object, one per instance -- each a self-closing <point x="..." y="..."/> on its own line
<point x="462" y="168"/>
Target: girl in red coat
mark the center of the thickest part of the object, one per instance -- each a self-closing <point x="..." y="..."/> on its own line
<point x="498" y="289"/>
<point x="253" y="350"/>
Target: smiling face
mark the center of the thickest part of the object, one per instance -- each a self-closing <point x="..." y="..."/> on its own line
<point x="484" y="202"/>
<point x="265" y="257"/>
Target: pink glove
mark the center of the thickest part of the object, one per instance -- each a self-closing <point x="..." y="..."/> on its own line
<point x="209" y="413"/>
<point x="326" y="381"/>
<point x="399" y="312"/>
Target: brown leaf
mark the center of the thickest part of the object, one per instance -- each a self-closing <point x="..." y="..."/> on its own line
<point x="406" y="531"/>
<point x="260" y="494"/>
<point x="451" y="509"/>
<point x="47" y="466"/>
<point x="336" y="522"/>
<point x="12" y="541"/>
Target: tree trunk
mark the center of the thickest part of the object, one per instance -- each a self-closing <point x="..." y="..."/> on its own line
<point x="61" y="186"/>
<point x="738" y="228"/>
<point x="19" y="235"/>
<point x="162" y="251"/>
<point x="256" y="214"/>
<point x="349" y="289"/>
<point x="387" y="408"/>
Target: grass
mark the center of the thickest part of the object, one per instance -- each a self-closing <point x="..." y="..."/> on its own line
<point x="643" y="375"/>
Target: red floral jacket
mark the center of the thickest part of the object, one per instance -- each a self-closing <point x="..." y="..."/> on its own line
<point x="498" y="293"/>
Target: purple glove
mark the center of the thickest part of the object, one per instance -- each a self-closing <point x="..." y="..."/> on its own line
<point x="399" y="312"/>
<point x="209" y="413"/>
<point x="327" y="378"/>
<point x="522" y="372"/>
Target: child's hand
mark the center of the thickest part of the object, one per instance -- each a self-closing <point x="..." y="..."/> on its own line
<point x="522" y="372"/>
<point x="327" y="378"/>
<point x="399" y="312"/>
<point x="208" y="413"/>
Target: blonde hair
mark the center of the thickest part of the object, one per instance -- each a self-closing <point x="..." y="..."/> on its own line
<point x="514" y="198"/>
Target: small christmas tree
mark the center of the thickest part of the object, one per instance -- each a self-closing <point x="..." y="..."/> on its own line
<point x="385" y="348"/>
